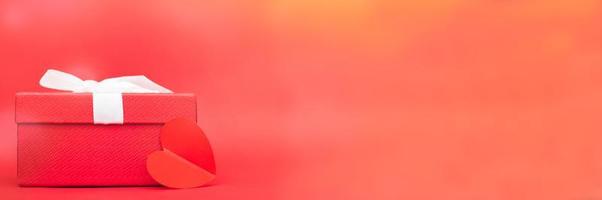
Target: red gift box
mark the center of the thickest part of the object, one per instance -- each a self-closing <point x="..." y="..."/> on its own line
<point x="59" y="144"/>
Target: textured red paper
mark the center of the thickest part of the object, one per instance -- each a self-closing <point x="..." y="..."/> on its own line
<point x="77" y="107"/>
<point x="59" y="146"/>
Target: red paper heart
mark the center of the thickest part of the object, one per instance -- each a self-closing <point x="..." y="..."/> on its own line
<point x="186" y="160"/>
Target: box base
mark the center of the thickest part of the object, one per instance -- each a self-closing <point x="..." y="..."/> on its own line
<point x="77" y="155"/>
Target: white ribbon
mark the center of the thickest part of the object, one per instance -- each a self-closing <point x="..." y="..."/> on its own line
<point x="107" y="101"/>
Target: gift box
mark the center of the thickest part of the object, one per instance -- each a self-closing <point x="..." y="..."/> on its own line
<point x="100" y="134"/>
<point x="59" y="144"/>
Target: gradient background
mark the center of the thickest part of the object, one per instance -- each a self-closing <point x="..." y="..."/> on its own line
<point x="354" y="99"/>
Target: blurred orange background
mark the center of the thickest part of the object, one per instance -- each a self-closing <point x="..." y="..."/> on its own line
<point x="355" y="99"/>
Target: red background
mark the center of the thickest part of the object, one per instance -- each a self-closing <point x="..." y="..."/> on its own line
<point x="357" y="99"/>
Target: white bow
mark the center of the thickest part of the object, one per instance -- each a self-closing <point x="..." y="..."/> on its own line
<point x="59" y="80"/>
<point x="107" y="101"/>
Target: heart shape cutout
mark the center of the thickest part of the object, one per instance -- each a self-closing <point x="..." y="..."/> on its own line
<point x="186" y="160"/>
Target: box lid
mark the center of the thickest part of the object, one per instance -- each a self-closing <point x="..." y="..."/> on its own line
<point x="62" y="107"/>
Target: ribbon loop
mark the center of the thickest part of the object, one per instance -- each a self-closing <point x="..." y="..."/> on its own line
<point x="108" y="108"/>
<point x="58" y="80"/>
